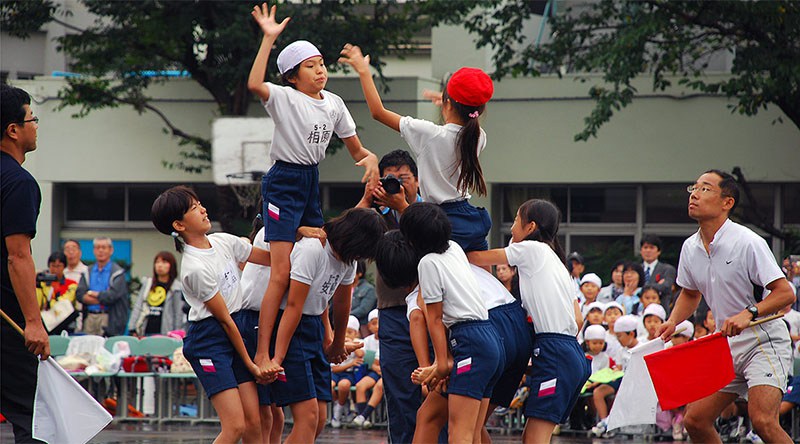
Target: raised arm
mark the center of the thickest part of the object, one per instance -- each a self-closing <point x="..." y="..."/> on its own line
<point x="363" y="157"/>
<point x="272" y="29"/>
<point x="353" y="57"/>
<point x="488" y="257"/>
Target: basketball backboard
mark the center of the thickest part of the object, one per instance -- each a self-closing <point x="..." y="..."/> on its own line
<point x="239" y="145"/>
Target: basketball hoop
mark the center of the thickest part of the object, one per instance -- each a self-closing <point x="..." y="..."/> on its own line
<point x="246" y="187"/>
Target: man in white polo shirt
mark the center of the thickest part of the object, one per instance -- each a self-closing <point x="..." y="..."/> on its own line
<point x="731" y="266"/>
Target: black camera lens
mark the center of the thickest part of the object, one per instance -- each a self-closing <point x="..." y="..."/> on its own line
<point x="391" y="184"/>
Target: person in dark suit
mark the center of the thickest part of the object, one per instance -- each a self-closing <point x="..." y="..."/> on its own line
<point x="656" y="273"/>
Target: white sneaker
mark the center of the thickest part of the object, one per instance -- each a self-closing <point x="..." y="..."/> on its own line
<point x="600" y="429"/>
<point x="367" y="423"/>
<point x="753" y="437"/>
<point x="677" y="432"/>
<point x="335" y="423"/>
<point x="359" y="420"/>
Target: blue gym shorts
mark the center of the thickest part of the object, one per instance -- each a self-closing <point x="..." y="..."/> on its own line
<point x="792" y="393"/>
<point x="306" y="371"/>
<point x="350" y="376"/>
<point x="470" y="224"/>
<point x="560" y="369"/>
<point x="212" y="356"/>
<point x="372" y="374"/>
<point x="478" y="359"/>
<point x="291" y="200"/>
<point x="248" y="328"/>
<point x="516" y="335"/>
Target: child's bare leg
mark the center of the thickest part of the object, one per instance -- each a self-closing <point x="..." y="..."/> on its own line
<point x="322" y="408"/>
<point x="476" y="436"/>
<point x="277" y="424"/>
<point x="265" y="413"/>
<point x="377" y="394"/>
<point x="228" y="406"/>
<point x="362" y="387"/>
<point x="537" y="431"/>
<point x="431" y="418"/>
<point x="463" y="413"/>
<point x="252" y="419"/>
<point x="343" y="390"/>
<point x="278" y="283"/>
<point x="599" y="398"/>
<point x="306" y="418"/>
<point x="485" y="438"/>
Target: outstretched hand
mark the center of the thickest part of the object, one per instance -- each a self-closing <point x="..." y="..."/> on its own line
<point x="433" y="96"/>
<point x="265" y="17"/>
<point x="352" y="56"/>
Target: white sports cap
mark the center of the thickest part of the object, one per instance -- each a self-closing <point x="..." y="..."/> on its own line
<point x="598" y="305"/>
<point x="614" y="305"/>
<point x="593" y="278"/>
<point x="594" y="332"/>
<point x="296" y="53"/>
<point x="655" y="310"/>
<point x="626" y="323"/>
<point x="372" y="315"/>
<point x="689" y="329"/>
<point x="353" y="323"/>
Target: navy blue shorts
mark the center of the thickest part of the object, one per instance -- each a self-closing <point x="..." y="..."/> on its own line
<point x="516" y="335"/>
<point x="560" y="369"/>
<point x="478" y="359"/>
<point x="793" y="391"/>
<point x="248" y="328"/>
<point x="350" y="376"/>
<point x="471" y="225"/>
<point x="372" y="374"/>
<point x="291" y="200"/>
<point x="212" y="356"/>
<point x="307" y="373"/>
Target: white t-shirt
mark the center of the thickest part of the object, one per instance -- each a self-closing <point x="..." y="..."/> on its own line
<point x="411" y="302"/>
<point x="493" y="292"/>
<point x="545" y="286"/>
<point x="738" y="259"/>
<point x="304" y="125"/>
<point x="316" y="266"/>
<point x="371" y="343"/>
<point x="206" y="272"/>
<point x="437" y="157"/>
<point x="447" y="278"/>
<point x="255" y="278"/>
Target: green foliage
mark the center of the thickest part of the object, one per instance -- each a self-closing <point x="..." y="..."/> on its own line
<point x="623" y="40"/>
<point x="214" y="42"/>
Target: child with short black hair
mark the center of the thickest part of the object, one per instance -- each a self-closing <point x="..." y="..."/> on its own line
<point x="210" y="278"/>
<point x="372" y="379"/>
<point x="590" y="287"/>
<point x="652" y="318"/>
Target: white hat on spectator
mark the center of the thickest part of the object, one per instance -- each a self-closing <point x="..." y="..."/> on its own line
<point x="296" y="53"/>
<point x="353" y="323"/>
<point x="593" y="278"/>
<point x="594" y="332"/>
<point x="612" y="305"/>
<point x="655" y="310"/>
<point x="372" y="315"/>
<point x="598" y="305"/>
<point x="688" y="329"/>
<point x="626" y="323"/>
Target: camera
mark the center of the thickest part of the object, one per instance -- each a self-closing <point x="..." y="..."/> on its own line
<point x="45" y="278"/>
<point x="391" y="184"/>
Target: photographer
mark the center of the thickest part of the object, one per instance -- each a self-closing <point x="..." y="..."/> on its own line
<point x="52" y="286"/>
<point x="397" y="190"/>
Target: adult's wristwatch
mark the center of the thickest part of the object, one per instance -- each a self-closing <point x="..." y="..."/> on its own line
<point x="753" y="311"/>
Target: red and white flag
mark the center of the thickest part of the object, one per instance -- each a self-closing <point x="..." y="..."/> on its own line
<point x="636" y="401"/>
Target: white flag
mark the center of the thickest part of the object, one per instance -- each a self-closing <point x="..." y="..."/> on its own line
<point x="636" y="401"/>
<point x="63" y="412"/>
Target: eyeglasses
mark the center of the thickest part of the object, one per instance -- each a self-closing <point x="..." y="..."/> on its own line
<point x="35" y="120"/>
<point x="702" y="189"/>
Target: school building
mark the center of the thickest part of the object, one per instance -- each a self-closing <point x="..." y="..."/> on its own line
<point x="100" y="174"/>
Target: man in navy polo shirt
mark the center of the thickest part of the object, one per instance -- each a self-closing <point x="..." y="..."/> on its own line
<point x="20" y="199"/>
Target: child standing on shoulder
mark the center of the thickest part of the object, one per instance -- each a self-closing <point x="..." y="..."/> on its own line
<point x="560" y="367"/>
<point x="447" y="155"/>
<point x="306" y="116"/>
<point x="210" y="278"/>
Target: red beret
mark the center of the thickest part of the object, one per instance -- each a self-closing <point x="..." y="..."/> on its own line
<point x="470" y="86"/>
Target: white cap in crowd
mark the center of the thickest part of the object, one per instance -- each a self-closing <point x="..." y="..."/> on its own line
<point x="372" y="315"/>
<point x="593" y="278"/>
<point x="626" y="323"/>
<point x="688" y="329"/>
<point x="594" y="332"/>
<point x="296" y="53"/>
<point x="655" y="310"/>
<point x="598" y="305"/>
<point x="353" y="323"/>
<point x="614" y="304"/>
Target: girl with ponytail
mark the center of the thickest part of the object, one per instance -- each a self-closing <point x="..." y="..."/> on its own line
<point x="559" y="366"/>
<point x="447" y="155"/>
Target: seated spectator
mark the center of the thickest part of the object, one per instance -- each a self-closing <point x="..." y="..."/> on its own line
<point x="507" y="275"/>
<point x="610" y="292"/>
<point x="652" y="318"/>
<point x="105" y="296"/>
<point x="372" y="379"/>
<point x="590" y="287"/>
<point x="576" y="266"/>
<point x="364" y="298"/>
<point x="593" y="316"/>
<point x="159" y="308"/>
<point x="613" y="311"/>
<point x="48" y="292"/>
<point x="343" y="375"/>
<point x="632" y="279"/>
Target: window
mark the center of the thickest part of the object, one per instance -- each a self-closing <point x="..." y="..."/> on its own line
<point x="600" y="252"/>
<point x="602" y="204"/>
<point x="339" y="197"/>
<point x="514" y="196"/>
<point x="760" y="207"/>
<point x="791" y="203"/>
<point x="666" y="204"/>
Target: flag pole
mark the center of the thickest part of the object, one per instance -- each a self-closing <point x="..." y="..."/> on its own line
<point x="767" y="319"/>
<point x="12" y="323"/>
